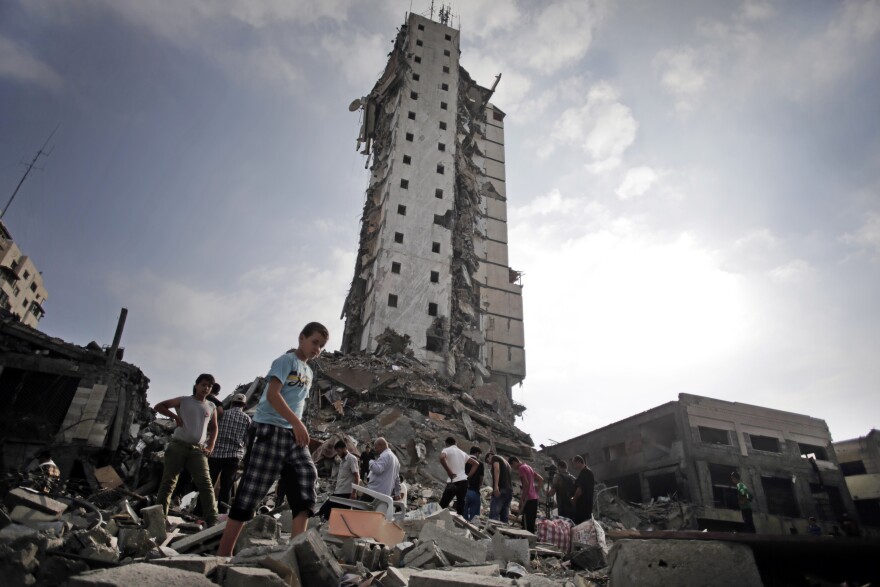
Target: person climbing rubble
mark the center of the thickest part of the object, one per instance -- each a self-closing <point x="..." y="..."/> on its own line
<point x="528" y="503"/>
<point x="229" y="450"/>
<point x="475" y="483"/>
<point x="280" y="441"/>
<point x="384" y="470"/>
<point x="502" y="488"/>
<point x="193" y="440"/>
<point x="562" y="487"/>
<point x="454" y="461"/>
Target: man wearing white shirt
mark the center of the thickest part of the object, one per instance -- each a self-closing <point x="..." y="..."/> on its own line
<point x="454" y="460"/>
<point x="384" y="470"/>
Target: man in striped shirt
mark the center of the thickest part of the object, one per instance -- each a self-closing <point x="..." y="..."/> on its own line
<point x="229" y="450"/>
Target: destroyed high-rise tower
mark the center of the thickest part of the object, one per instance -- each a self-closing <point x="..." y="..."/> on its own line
<point x="432" y="261"/>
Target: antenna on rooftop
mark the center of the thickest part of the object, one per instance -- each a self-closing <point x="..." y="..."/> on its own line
<point x="30" y="166"/>
<point x="444" y="13"/>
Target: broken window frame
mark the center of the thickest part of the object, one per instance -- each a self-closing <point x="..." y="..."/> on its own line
<point x="712" y="436"/>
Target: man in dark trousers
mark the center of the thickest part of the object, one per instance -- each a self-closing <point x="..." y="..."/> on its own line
<point x="563" y="488"/>
<point x="583" y="493"/>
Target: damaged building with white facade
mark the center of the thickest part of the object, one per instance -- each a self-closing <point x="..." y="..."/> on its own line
<point x="432" y="262"/>
<point x="688" y="448"/>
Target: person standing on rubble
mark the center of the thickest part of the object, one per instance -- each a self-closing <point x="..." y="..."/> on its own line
<point x="562" y="487"/>
<point x="502" y="488"/>
<point x="475" y="483"/>
<point x="454" y="461"/>
<point x="280" y="441"/>
<point x="528" y="501"/>
<point x="229" y="450"/>
<point x="193" y="440"/>
<point x="744" y="500"/>
<point x="347" y="474"/>
<point x="384" y="470"/>
<point x="583" y="492"/>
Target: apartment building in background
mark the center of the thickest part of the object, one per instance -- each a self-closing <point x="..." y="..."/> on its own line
<point x="688" y="448"/>
<point x="859" y="460"/>
<point x="22" y="292"/>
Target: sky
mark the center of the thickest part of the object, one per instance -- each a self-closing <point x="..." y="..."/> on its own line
<point x="693" y="188"/>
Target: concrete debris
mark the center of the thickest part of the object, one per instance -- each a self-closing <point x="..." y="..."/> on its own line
<point x="140" y="575"/>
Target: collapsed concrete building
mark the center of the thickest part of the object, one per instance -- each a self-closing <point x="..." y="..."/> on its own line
<point x="82" y="403"/>
<point x="860" y="464"/>
<point x="22" y="292"/>
<point x="688" y="448"/>
<point x="432" y="262"/>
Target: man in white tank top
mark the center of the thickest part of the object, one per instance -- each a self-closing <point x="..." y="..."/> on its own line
<point x="192" y="442"/>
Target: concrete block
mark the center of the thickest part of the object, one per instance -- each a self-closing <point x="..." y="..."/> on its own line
<point x="191" y="542"/>
<point x="135" y="542"/>
<point x="191" y="562"/>
<point x="397" y="577"/>
<point x="25" y="515"/>
<point x="426" y="555"/>
<point x="650" y="563"/>
<point x="252" y="577"/>
<point x="399" y="552"/>
<point x="317" y="565"/>
<point x="154" y="517"/>
<point x="510" y="550"/>
<point x="36" y="501"/>
<point x="519" y="533"/>
<point x="457" y="579"/>
<point x="456" y="547"/>
<point x="14" y="532"/>
<point x="139" y="575"/>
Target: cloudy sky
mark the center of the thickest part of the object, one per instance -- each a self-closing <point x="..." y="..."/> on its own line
<point x="694" y="188"/>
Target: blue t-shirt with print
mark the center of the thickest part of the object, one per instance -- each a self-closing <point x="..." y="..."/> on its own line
<point x="296" y="378"/>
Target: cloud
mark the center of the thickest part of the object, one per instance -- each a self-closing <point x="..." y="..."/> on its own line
<point x="636" y="182"/>
<point x="757" y="10"/>
<point x="178" y="328"/>
<point x="682" y="77"/>
<point x="559" y="34"/>
<point x="363" y="67"/>
<point x="480" y="19"/>
<point x="18" y="64"/>
<point x="866" y="236"/>
<point x="602" y="127"/>
<point x="796" y="272"/>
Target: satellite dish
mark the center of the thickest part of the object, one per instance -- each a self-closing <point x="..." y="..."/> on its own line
<point x="355" y="105"/>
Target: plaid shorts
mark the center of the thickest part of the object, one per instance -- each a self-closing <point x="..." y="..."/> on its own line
<point x="272" y="456"/>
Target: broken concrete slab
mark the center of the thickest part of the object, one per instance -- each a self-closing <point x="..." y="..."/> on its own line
<point x="139" y="575"/>
<point x="510" y="550"/>
<point x="36" y="501"/>
<point x="658" y="563"/>
<point x="27" y="515"/>
<point x="590" y="558"/>
<point x="135" y="542"/>
<point x="397" y="577"/>
<point x="456" y="547"/>
<point x="191" y="562"/>
<point x="189" y="543"/>
<point x="317" y="565"/>
<point x="251" y="577"/>
<point x="426" y="555"/>
<point x="518" y="533"/>
<point x="438" y="578"/>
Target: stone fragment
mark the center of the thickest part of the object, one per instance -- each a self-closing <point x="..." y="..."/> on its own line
<point x="135" y="542"/>
<point x="317" y="565"/>
<point x="27" y="515"/>
<point x="399" y="551"/>
<point x="590" y="558"/>
<point x="519" y="533"/>
<point x="252" y="577"/>
<point x="192" y="542"/>
<point x="507" y="550"/>
<point x="456" y="547"/>
<point x="658" y="563"/>
<point x="154" y="517"/>
<point x="139" y="575"/>
<point x="397" y="577"/>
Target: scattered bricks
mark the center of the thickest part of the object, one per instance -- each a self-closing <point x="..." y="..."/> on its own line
<point x="426" y="556"/>
<point x="139" y="575"/>
<point x="682" y="562"/>
<point x="317" y="565"/>
<point x="191" y="562"/>
<point x="457" y="548"/>
<point x="36" y="501"/>
<point x="135" y="542"/>
<point x="252" y="577"/>
<point x="456" y="579"/>
<point x="590" y="558"/>
<point x="154" y="516"/>
<point x="195" y="541"/>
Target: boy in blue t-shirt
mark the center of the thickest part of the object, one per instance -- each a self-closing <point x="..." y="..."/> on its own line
<point x="280" y="441"/>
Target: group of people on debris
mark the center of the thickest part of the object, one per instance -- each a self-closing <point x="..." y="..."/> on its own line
<point x="210" y="443"/>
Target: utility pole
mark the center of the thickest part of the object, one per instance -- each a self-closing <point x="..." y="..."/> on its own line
<point x="27" y="171"/>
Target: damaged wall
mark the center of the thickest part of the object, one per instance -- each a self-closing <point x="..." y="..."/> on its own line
<point x="433" y="243"/>
<point x="690" y="447"/>
<point x="66" y="398"/>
